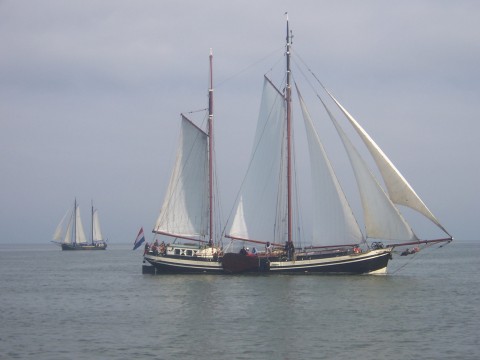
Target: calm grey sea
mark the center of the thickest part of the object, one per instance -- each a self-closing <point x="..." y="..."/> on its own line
<point x="98" y="305"/>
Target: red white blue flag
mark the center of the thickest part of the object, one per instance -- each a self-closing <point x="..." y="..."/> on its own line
<point x="139" y="240"/>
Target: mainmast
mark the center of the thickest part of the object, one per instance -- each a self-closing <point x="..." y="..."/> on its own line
<point x="210" y="150"/>
<point x="92" y="223"/>
<point x="288" y="99"/>
<point x="75" y="222"/>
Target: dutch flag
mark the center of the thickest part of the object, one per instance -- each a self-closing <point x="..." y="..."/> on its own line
<point x="139" y="240"/>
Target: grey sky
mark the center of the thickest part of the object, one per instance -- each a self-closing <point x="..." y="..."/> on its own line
<point x="91" y="92"/>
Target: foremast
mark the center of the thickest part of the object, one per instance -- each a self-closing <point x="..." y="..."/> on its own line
<point x="288" y="99"/>
<point x="210" y="151"/>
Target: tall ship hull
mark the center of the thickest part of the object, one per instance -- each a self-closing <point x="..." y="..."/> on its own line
<point x="177" y="265"/>
<point x="372" y="262"/>
<point x="330" y="262"/>
<point x="70" y="247"/>
<point x="182" y="259"/>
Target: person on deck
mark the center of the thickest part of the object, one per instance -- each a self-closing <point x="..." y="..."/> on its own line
<point x="268" y="248"/>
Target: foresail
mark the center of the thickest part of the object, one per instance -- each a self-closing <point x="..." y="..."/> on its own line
<point x="255" y="215"/>
<point x="68" y="232"/>
<point x="60" y="230"/>
<point x="185" y="207"/>
<point x="399" y="190"/>
<point x="382" y="218"/>
<point x="97" y="232"/>
<point x="80" y="237"/>
<point x="333" y="219"/>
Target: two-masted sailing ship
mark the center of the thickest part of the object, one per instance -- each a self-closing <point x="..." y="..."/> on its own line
<point x="267" y="210"/>
<point x="70" y="234"/>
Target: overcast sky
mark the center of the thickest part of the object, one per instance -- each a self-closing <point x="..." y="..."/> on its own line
<point x="91" y="92"/>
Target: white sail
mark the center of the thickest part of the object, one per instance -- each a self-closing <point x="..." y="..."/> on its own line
<point x="399" y="190"/>
<point x="333" y="219"/>
<point x="185" y="208"/>
<point x="80" y="237"/>
<point x="382" y="218"/>
<point x="97" y="232"/>
<point x="255" y="214"/>
<point x="60" y="230"/>
<point x="68" y="232"/>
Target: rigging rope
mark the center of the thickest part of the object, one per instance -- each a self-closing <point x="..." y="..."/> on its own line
<point x="227" y="79"/>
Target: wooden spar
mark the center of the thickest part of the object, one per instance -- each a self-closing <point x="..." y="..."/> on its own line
<point x="252" y="241"/>
<point x="330" y="246"/>
<point x="177" y="236"/>
<point x="210" y="150"/>
<point x="421" y="242"/>
<point x="288" y="98"/>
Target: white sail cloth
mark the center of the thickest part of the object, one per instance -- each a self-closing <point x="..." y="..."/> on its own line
<point x="255" y="215"/>
<point x="80" y="237"/>
<point x="185" y="207"/>
<point x="97" y="232"/>
<point x="74" y="232"/>
<point x="333" y="219"/>
<point x="399" y="190"/>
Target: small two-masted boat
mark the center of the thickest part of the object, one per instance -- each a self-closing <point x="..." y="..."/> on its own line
<point x="70" y="234"/>
<point x="267" y="211"/>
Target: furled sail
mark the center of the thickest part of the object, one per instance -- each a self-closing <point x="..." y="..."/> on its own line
<point x="399" y="190"/>
<point x="333" y="219"/>
<point x="382" y="218"/>
<point x="80" y="237"/>
<point x="97" y="232"/>
<point x="185" y="208"/>
<point x="255" y="216"/>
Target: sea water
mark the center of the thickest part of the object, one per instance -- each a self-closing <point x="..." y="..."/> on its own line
<point x="97" y="305"/>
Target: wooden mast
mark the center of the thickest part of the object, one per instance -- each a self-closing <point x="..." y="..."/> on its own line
<point x="210" y="149"/>
<point x="75" y="223"/>
<point x="288" y="98"/>
<point x="92" y="223"/>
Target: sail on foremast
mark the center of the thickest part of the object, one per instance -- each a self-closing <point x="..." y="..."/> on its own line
<point x="184" y="211"/>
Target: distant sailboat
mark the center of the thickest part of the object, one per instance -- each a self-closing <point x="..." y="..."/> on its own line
<point x="266" y="203"/>
<point x="70" y="234"/>
<point x="186" y="218"/>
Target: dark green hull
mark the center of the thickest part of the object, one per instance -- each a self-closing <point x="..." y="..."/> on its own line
<point x="84" y="247"/>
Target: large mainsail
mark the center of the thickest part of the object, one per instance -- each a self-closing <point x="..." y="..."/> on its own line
<point x="185" y="210"/>
<point x="80" y="237"/>
<point x="333" y="219"/>
<point x="255" y="214"/>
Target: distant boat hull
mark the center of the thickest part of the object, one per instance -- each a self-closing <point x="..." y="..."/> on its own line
<point x="182" y="265"/>
<point x="69" y="247"/>
<point x="371" y="262"/>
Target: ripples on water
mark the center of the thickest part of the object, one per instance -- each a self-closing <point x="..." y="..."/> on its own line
<point x="98" y="305"/>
